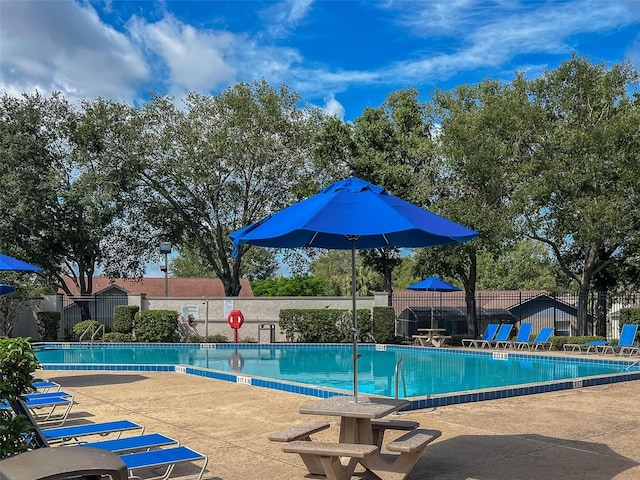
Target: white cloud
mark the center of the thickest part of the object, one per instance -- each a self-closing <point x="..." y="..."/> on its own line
<point x="281" y="17"/>
<point x="333" y="107"/>
<point x="196" y="60"/>
<point x="64" y="46"/>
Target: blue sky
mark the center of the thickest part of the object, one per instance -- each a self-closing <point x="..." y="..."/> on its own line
<point x="339" y="55"/>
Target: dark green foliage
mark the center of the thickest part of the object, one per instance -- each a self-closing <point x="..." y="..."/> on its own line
<point x="48" y="323"/>
<point x="383" y="329"/>
<point x="290" y="287"/>
<point x="156" y="325"/>
<point x="117" y="337"/>
<point x="323" y="326"/>
<point x="217" y="338"/>
<point x="123" y="316"/>
<point x="557" y="343"/>
<point x="79" y="328"/>
<point x="17" y="364"/>
<point x="630" y="315"/>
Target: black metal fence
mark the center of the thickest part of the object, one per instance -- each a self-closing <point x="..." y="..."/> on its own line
<point x="449" y="310"/>
<point x="94" y="307"/>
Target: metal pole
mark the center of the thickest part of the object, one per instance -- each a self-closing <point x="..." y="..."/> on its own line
<point x="355" y="320"/>
<point x="206" y="320"/>
<point x="166" y="277"/>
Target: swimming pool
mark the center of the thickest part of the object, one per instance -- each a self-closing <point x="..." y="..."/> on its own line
<point x="431" y="374"/>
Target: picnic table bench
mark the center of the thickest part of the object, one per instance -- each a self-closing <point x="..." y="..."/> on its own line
<point x="409" y="448"/>
<point x="328" y="455"/>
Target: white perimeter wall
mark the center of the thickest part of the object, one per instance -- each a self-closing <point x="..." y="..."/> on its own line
<point x="210" y="314"/>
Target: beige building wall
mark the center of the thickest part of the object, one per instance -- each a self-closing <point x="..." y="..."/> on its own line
<point x="210" y="314"/>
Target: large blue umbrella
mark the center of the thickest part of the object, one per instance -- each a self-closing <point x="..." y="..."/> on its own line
<point x="433" y="284"/>
<point x="347" y="215"/>
<point x="10" y="264"/>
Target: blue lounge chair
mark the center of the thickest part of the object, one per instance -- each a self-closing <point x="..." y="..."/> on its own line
<point x="47" y="408"/>
<point x="166" y="458"/>
<point x="489" y="334"/>
<point x="503" y="335"/>
<point x="523" y="336"/>
<point x="43" y="385"/>
<point x="587" y="347"/>
<point x="540" y="342"/>
<point x="74" y="434"/>
<point x="626" y="343"/>
<point x="131" y="444"/>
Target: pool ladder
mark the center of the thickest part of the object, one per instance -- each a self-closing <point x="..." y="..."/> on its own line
<point x="400" y="370"/>
<point x="92" y="332"/>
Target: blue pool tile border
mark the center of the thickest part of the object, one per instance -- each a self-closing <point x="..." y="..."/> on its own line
<point x="416" y="403"/>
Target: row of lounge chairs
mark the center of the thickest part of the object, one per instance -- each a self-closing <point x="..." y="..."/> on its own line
<point x="498" y="336"/>
<point x="626" y="344"/>
<point x="152" y="453"/>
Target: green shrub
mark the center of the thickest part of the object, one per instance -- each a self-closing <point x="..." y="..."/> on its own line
<point x="156" y="325"/>
<point x="384" y="325"/>
<point x="17" y="363"/>
<point x="217" y="338"/>
<point x="557" y="343"/>
<point x="48" y="323"/>
<point x="117" y="337"/>
<point x="323" y="325"/>
<point x="123" y="316"/>
<point x="80" y="327"/>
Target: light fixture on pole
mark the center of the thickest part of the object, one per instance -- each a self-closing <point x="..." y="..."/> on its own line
<point x="165" y="248"/>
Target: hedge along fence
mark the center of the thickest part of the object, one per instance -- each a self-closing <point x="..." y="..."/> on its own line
<point x="156" y="326"/>
<point x="123" y="318"/>
<point x="323" y="325"/>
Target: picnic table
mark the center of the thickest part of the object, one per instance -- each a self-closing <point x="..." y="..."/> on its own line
<point x="360" y="439"/>
<point x="432" y="337"/>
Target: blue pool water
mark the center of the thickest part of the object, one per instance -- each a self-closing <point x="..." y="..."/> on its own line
<point x="428" y="371"/>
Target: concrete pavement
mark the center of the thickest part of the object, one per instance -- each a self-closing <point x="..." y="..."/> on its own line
<point x="583" y="434"/>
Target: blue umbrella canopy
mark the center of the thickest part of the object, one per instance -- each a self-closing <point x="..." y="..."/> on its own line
<point x="349" y="211"/>
<point x="10" y="264"/>
<point x="6" y="289"/>
<point x="352" y="214"/>
<point x="434" y="284"/>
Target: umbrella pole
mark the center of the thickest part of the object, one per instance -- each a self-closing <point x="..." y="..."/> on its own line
<point x="355" y="320"/>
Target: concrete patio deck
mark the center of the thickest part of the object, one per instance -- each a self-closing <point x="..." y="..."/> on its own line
<point x="588" y="433"/>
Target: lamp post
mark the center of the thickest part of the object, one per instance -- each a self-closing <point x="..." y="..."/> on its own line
<point x="165" y="248"/>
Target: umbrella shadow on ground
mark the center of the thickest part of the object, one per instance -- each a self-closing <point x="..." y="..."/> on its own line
<point x="97" y="379"/>
<point x="522" y="457"/>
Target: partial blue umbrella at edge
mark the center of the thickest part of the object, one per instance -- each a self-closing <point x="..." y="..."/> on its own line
<point x="433" y="284"/>
<point x="352" y="214"/>
<point x="6" y="289"/>
<point x="10" y="264"/>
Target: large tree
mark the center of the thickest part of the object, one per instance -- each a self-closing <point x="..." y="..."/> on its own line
<point x="391" y="146"/>
<point x="60" y="211"/>
<point x="479" y="139"/>
<point x="218" y="163"/>
<point x="580" y="183"/>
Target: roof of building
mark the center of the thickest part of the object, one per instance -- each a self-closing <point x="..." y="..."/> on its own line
<point x="155" y="287"/>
